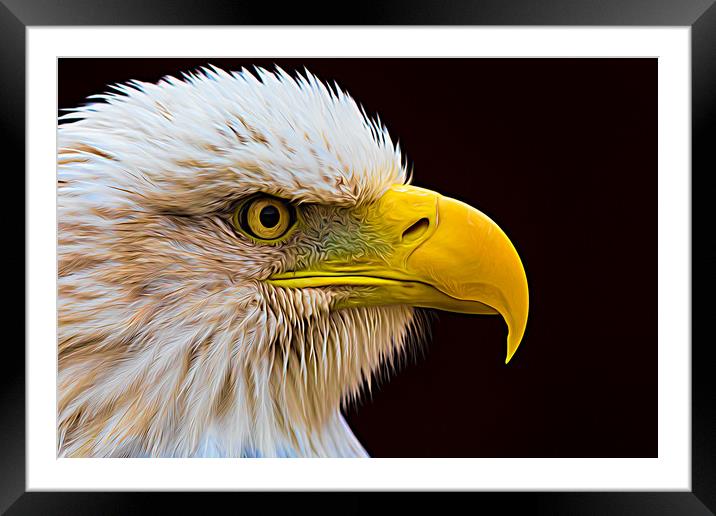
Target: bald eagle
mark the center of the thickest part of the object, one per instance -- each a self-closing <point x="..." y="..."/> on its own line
<point x="237" y="254"/>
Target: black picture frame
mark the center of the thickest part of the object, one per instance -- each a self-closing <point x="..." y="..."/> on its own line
<point x="700" y="15"/>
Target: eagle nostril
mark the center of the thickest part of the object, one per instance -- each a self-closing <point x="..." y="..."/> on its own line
<point x="417" y="229"/>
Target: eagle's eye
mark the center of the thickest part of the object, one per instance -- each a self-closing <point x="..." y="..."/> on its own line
<point x="264" y="218"/>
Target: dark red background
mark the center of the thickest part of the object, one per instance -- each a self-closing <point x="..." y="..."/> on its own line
<point x="562" y="153"/>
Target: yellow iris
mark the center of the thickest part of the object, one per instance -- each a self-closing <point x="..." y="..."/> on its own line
<point x="265" y="218"/>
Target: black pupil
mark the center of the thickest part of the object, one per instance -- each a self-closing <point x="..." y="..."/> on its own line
<point x="269" y="216"/>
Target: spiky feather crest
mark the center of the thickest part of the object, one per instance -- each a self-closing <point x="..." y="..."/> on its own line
<point x="291" y="137"/>
<point x="170" y="343"/>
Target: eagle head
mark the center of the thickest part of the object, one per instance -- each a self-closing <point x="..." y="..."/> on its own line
<point x="237" y="254"/>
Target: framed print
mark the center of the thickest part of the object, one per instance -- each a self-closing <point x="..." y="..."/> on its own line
<point x="400" y="255"/>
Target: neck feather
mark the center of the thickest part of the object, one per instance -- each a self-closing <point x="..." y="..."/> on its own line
<point x="265" y="376"/>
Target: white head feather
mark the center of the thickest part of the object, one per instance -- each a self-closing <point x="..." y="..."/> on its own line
<point x="170" y="344"/>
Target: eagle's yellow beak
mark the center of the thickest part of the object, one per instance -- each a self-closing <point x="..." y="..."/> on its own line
<point x="433" y="252"/>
